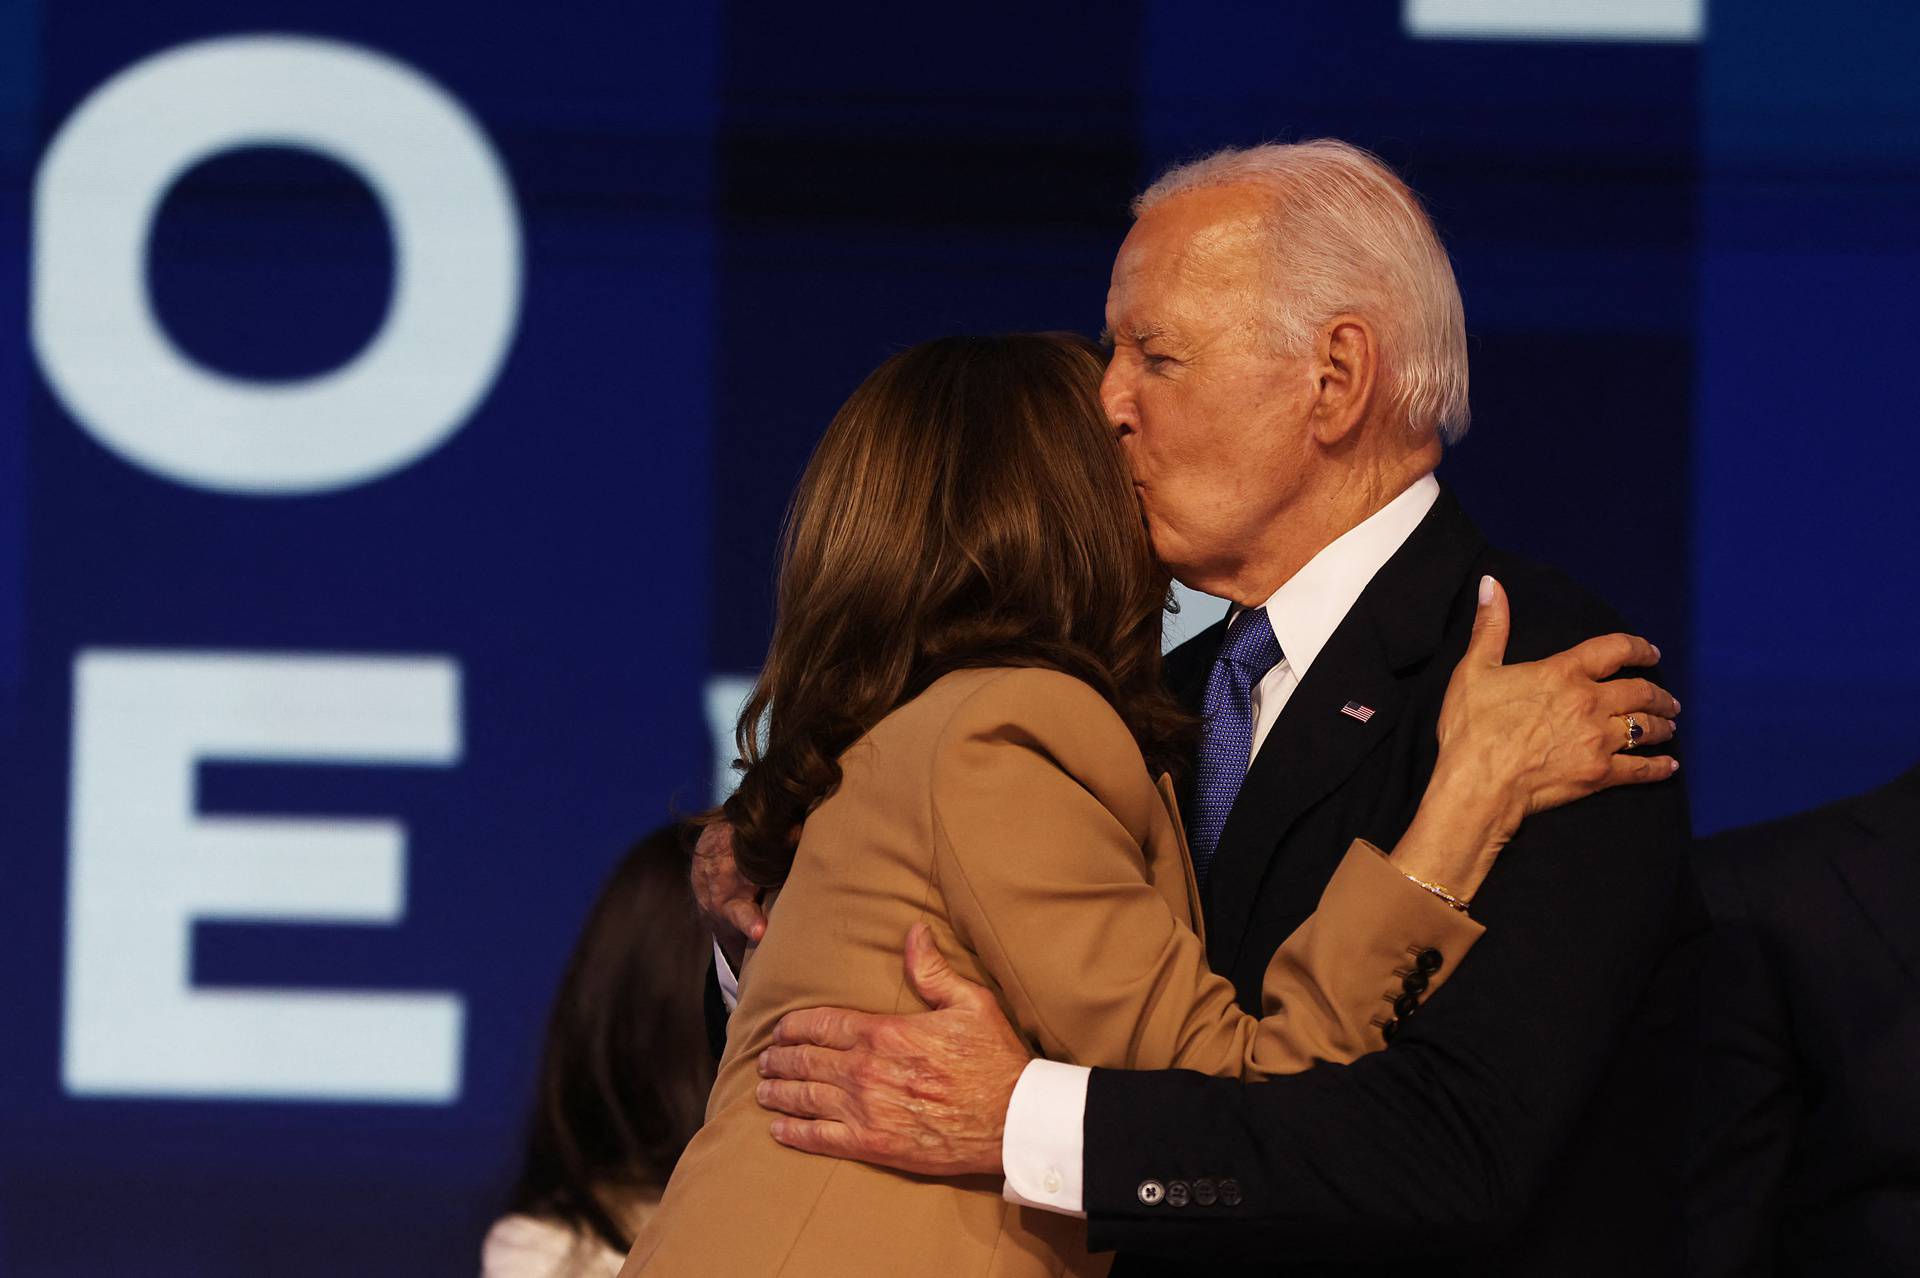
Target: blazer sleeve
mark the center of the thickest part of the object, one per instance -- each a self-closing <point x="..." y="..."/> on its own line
<point x="1041" y="805"/>
<point x="1439" y="1144"/>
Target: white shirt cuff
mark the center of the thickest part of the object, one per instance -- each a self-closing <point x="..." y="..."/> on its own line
<point x="729" y="983"/>
<point x="1045" y="1137"/>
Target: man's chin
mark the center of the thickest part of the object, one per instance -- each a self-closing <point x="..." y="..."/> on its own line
<point x="1182" y="575"/>
<point x="1166" y="547"/>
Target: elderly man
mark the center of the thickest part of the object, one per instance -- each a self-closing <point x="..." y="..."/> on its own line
<point x="1289" y="359"/>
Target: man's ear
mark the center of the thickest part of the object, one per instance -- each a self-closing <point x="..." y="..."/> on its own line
<point x="1347" y="369"/>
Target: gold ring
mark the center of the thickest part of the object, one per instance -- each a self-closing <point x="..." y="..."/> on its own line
<point x="1634" y="732"/>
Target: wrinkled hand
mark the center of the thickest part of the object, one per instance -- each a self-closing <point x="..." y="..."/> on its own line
<point x="727" y="900"/>
<point x="1535" y="735"/>
<point x="924" y="1093"/>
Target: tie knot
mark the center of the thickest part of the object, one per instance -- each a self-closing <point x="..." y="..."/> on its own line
<point x="1250" y="643"/>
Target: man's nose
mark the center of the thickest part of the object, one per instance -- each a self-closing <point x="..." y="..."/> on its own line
<point x="1116" y="397"/>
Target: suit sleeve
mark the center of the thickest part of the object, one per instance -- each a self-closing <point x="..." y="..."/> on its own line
<point x="1439" y="1143"/>
<point x="1746" y="1102"/>
<point x="1040" y="807"/>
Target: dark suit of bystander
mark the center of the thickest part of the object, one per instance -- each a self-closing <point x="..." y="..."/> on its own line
<point x="1807" y="1119"/>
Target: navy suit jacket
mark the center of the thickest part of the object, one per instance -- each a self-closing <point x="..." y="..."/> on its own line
<point x="1527" y="1119"/>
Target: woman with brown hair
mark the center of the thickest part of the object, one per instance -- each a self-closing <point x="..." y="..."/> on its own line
<point x="964" y="722"/>
<point x="624" y="1075"/>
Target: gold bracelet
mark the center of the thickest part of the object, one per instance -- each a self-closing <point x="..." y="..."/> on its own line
<point x="1440" y="892"/>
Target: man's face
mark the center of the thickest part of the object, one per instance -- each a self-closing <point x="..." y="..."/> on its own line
<point x="1214" y="425"/>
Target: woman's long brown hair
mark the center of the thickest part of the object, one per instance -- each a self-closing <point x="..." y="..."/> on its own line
<point x="626" y="1067"/>
<point x="968" y="506"/>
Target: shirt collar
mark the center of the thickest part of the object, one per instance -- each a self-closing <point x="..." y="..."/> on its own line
<point x="1310" y="606"/>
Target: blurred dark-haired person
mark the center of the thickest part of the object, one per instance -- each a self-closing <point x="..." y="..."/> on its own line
<point x="623" y="1077"/>
<point x="965" y="719"/>
<point x="1808" y="1120"/>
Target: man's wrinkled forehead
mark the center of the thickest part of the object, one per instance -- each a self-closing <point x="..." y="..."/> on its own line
<point x="1194" y="246"/>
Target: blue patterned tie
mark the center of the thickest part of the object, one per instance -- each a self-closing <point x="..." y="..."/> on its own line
<point x="1226" y="736"/>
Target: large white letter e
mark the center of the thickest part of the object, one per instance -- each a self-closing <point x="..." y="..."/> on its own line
<point x="144" y="867"/>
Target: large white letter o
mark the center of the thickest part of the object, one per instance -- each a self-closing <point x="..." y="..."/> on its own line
<point x="456" y="294"/>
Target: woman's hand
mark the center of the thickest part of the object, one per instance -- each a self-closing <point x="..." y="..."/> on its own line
<point x="1520" y="739"/>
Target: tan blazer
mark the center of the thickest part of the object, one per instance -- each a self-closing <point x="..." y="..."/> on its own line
<point x="1011" y="810"/>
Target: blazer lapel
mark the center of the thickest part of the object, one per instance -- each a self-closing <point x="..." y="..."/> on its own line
<point x="1395" y="625"/>
<point x="1190" y="885"/>
<point x="1882" y="874"/>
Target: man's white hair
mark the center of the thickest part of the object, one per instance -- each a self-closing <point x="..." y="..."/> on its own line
<point x="1346" y="235"/>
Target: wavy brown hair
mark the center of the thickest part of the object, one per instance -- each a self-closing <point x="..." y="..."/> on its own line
<point x="968" y="506"/>
<point x="626" y="1067"/>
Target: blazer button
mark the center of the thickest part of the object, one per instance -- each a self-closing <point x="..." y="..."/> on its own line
<point x="1205" y="1192"/>
<point x="1429" y="961"/>
<point x="1406" y="1005"/>
<point x="1179" y="1193"/>
<point x="1151" y="1192"/>
<point x="1230" y="1192"/>
<point x="1388" y="1030"/>
<point x="1415" y="982"/>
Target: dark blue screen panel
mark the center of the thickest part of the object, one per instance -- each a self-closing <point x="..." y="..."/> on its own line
<point x="19" y="49"/>
<point x="1805" y="611"/>
<point x="903" y="180"/>
<point x="550" y="553"/>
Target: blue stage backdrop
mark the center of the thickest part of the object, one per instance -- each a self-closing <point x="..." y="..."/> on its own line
<point x="398" y="403"/>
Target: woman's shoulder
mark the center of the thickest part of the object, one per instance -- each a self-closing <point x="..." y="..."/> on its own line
<point x="520" y="1246"/>
<point x="1026" y="742"/>
<point x="1003" y="720"/>
<point x="988" y="690"/>
<point x="1039" y="696"/>
<point x="1034" y="708"/>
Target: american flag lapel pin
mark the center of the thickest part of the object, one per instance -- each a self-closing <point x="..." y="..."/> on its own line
<point x="1354" y="710"/>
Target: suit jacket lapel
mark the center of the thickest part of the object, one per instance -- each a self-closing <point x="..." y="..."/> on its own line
<point x="1883" y="873"/>
<point x="1308" y="752"/>
<point x="1395" y="626"/>
<point x="1185" y="673"/>
<point x="1185" y="669"/>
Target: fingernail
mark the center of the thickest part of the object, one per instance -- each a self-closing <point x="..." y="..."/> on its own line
<point x="762" y="1060"/>
<point x="779" y="1129"/>
<point x="1673" y="765"/>
<point x="1486" y="590"/>
<point x="761" y="1092"/>
<point x="1656" y="652"/>
<point x="1676" y="705"/>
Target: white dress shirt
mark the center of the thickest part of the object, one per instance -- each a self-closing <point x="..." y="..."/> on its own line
<point x="1044" y="1141"/>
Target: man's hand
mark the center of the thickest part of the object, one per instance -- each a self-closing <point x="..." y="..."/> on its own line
<point x="727" y="901"/>
<point x="924" y="1093"/>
